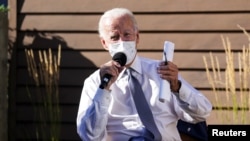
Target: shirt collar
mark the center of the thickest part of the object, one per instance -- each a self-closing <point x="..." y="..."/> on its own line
<point x="136" y="65"/>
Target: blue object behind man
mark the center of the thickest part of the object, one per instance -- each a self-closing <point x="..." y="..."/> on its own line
<point x="193" y="132"/>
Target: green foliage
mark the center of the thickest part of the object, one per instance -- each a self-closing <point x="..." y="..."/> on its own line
<point x="3" y="8"/>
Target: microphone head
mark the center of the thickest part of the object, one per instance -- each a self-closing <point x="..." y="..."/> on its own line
<point x="120" y="58"/>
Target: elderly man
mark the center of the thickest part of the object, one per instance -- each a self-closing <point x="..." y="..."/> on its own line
<point x="110" y="105"/>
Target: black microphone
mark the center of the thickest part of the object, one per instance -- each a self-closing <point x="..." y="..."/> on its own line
<point x="119" y="58"/>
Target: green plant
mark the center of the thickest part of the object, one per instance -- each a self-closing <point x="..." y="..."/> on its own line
<point x="3" y="8"/>
<point x="45" y="74"/>
<point x="231" y="90"/>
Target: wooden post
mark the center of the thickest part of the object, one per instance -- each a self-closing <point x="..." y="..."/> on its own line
<point x="3" y="76"/>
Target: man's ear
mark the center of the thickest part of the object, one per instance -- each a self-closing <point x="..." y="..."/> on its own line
<point x="137" y="37"/>
<point x="104" y="45"/>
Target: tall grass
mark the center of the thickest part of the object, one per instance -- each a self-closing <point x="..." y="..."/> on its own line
<point x="44" y="69"/>
<point x="231" y="90"/>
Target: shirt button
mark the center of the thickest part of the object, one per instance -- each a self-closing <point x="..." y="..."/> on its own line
<point x="189" y="129"/>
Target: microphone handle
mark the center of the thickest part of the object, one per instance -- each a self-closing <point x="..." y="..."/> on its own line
<point x="105" y="80"/>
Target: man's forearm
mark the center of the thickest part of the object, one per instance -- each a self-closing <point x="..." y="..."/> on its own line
<point x="93" y="123"/>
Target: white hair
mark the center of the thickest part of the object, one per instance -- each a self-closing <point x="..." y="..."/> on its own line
<point x="116" y="13"/>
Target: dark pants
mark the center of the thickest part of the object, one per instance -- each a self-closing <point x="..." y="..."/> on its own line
<point x="140" y="138"/>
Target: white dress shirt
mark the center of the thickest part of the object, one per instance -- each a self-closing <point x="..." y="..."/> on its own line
<point x="112" y="116"/>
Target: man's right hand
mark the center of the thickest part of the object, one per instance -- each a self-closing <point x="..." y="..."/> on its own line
<point x="113" y="68"/>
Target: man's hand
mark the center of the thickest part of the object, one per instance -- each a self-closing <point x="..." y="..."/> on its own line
<point x="113" y="68"/>
<point x="169" y="71"/>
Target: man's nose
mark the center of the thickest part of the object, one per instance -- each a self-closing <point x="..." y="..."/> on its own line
<point x="123" y="38"/>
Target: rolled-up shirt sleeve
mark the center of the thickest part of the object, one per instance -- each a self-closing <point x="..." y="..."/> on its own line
<point x="92" y="114"/>
<point x="195" y="105"/>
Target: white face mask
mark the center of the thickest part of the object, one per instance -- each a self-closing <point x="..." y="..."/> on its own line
<point x="126" y="47"/>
